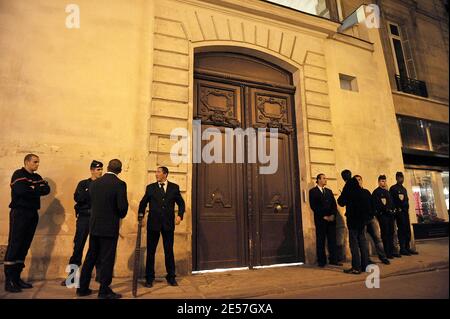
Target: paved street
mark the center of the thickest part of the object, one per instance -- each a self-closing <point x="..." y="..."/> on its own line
<point x="423" y="285"/>
<point x="421" y="276"/>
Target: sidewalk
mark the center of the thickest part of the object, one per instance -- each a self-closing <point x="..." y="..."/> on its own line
<point x="433" y="254"/>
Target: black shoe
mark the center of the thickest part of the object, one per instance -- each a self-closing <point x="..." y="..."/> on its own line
<point x="148" y="284"/>
<point x="385" y="261"/>
<point x="336" y="263"/>
<point x="172" y="282"/>
<point x="321" y="265"/>
<point x="397" y="255"/>
<point x="83" y="293"/>
<point x="352" y="271"/>
<point x="109" y="295"/>
<point x="370" y="262"/>
<point x="404" y="253"/>
<point x="412" y="252"/>
<point x="390" y="257"/>
<point x="11" y="286"/>
<point x="24" y="285"/>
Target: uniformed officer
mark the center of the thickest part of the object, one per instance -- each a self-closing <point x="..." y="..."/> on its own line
<point x="385" y="213"/>
<point x="83" y="213"/>
<point x="400" y="197"/>
<point x="26" y="189"/>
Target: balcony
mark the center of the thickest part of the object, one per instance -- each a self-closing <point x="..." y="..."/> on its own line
<point x="411" y="86"/>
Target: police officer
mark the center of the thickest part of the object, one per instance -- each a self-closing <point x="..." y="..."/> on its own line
<point x="83" y="213"/>
<point x="400" y="198"/>
<point x="385" y="213"/>
<point x="26" y="189"/>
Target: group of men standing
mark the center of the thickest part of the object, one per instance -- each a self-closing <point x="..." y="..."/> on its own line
<point x="101" y="202"/>
<point x="366" y="212"/>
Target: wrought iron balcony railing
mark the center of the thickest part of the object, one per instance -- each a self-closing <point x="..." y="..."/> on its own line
<point x="411" y="86"/>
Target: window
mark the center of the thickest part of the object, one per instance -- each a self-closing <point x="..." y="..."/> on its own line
<point x="413" y="133"/>
<point x="348" y="82"/>
<point x="397" y="50"/>
<point x="424" y="135"/>
<point x="439" y="137"/>
<point x="429" y="195"/>
<point x="445" y="188"/>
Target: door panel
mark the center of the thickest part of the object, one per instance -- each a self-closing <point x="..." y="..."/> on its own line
<point x="243" y="217"/>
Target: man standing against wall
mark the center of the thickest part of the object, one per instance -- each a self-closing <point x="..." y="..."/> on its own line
<point x="26" y="189"/>
<point x="385" y="213"/>
<point x="323" y="204"/>
<point x="399" y="195"/>
<point x="162" y="197"/>
<point x="83" y="214"/>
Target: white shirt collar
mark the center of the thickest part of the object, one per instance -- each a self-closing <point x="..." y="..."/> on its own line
<point x="112" y="173"/>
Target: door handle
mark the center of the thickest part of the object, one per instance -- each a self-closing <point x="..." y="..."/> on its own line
<point x="278" y="208"/>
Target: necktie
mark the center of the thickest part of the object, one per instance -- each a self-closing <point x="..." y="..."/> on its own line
<point x="162" y="187"/>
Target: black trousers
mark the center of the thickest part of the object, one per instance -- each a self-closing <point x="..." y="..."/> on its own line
<point x="403" y="230"/>
<point x="81" y="235"/>
<point x="387" y="224"/>
<point x="152" y="243"/>
<point x="103" y="250"/>
<point x="358" y="248"/>
<point x="326" y="232"/>
<point x="372" y="230"/>
<point x="22" y="226"/>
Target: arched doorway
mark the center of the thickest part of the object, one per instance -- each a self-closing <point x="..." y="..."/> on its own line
<point x="242" y="217"/>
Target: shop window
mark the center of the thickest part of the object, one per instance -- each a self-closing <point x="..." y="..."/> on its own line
<point x="445" y="186"/>
<point x="427" y="193"/>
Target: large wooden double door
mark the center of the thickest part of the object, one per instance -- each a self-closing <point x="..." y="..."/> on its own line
<point x="243" y="217"/>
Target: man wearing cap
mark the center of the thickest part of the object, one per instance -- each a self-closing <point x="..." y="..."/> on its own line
<point x="82" y="213"/>
<point x="27" y="187"/>
<point x="385" y="212"/>
<point x="400" y="198"/>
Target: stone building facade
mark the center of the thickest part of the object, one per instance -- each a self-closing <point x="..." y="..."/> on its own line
<point x="120" y="83"/>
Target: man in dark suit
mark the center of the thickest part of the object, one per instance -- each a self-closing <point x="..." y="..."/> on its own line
<point x="109" y="205"/>
<point x="323" y="204"/>
<point x="162" y="197"/>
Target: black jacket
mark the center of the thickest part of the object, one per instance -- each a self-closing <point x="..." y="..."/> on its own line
<point x="380" y="195"/>
<point x="27" y="189"/>
<point x="109" y="204"/>
<point x="82" y="198"/>
<point x="358" y="204"/>
<point x="322" y="204"/>
<point x="162" y="206"/>
<point x="396" y="191"/>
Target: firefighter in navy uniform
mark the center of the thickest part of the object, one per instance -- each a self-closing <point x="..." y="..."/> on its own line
<point x="401" y="202"/>
<point x="385" y="213"/>
<point x="26" y="189"/>
<point x="83" y="214"/>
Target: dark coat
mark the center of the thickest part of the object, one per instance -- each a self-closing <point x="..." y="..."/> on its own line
<point x="27" y="189"/>
<point x="322" y="204"/>
<point x="358" y="203"/>
<point x="82" y="198"/>
<point x="109" y="204"/>
<point x="400" y="204"/>
<point x="378" y="195"/>
<point x="162" y="206"/>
